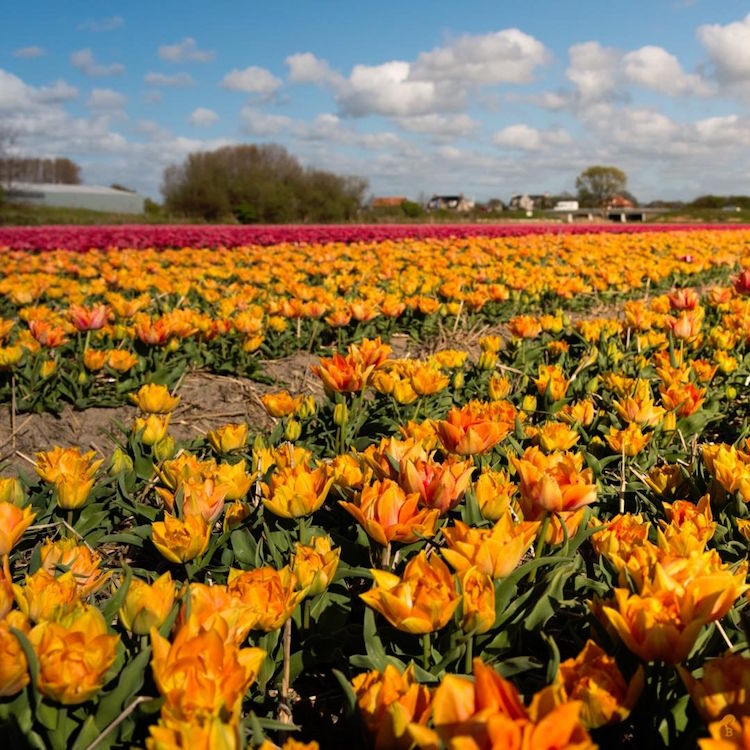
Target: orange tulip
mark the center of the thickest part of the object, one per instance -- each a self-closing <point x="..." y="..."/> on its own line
<point x="206" y="604"/>
<point x="6" y="588"/>
<point x="94" y="359"/>
<point x="551" y="377"/>
<point x="14" y="671"/>
<point x="466" y="433"/>
<point x="439" y="485"/>
<point x="88" y="318"/>
<point x="594" y="679"/>
<point x="204" y="498"/>
<point x="724" y="688"/>
<point x="13" y="524"/>
<point x="202" y="673"/>
<point x="683" y="398"/>
<point x="180" y="541"/>
<point x="80" y="559"/>
<point x="421" y="601"/>
<point x="618" y="537"/>
<point x="234" y="480"/>
<point x="731" y="733"/>
<point x="495" y="552"/>
<point x="659" y="626"/>
<point x="343" y="374"/>
<point x="477" y="602"/>
<point x="155" y="399"/>
<point x="44" y="597"/>
<point x="147" y="605"/>
<point x="691" y="523"/>
<point x="553" y="483"/>
<point x="555" y="436"/>
<point x="270" y="594"/>
<point x="74" y="655"/>
<point x="387" y="514"/>
<point x="390" y="703"/>
<point x="206" y="733"/>
<point x="281" y="404"/>
<point x="630" y="441"/>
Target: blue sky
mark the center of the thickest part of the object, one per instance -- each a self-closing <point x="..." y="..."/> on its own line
<point x="484" y="98"/>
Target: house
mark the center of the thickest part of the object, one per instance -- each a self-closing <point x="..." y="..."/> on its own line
<point x="521" y="203"/>
<point x="388" y="201"/>
<point x="620" y="201"/>
<point x="92" y="197"/>
<point x="449" y="203"/>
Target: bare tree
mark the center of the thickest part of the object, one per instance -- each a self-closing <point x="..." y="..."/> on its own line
<point x="8" y="137"/>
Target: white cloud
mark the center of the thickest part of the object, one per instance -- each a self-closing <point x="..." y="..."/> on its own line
<point x="152" y="96"/>
<point x="263" y="124"/>
<point x="386" y="90"/>
<point x="252" y="80"/>
<point x="304" y="67"/>
<point x="459" y="125"/>
<point x="59" y="91"/>
<point x="28" y="53"/>
<point x="594" y="71"/>
<point x="102" y="24"/>
<point x="656" y="69"/>
<point x="729" y="48"/>
<point x="185" y="51"/>
<point x="203" y="117"/>
<point x="106" y="99"/>
<point x="180" y="80"/>
<point x="525" y="138"/>
<point x="507" y="56"/>
<point x="84" y="60"/>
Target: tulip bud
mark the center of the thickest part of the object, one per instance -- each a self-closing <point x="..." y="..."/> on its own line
<point x="11" y="491"/>
<point x="731" y="392"/>
<point x="173" y="345"/>
<point x="48" y="368"/>
<point x="164" y="449"/>
<point x="529" y="403"/>
<point x="458" y="380"/>
<point x="292" y="430"/>
<point x="83" y="378"/>
<point x="147" y="606"/>
<point x="593" y="385"/>
<point x="487" y="360"/>
<point x="259" y="444"/>
<point x="670" y="422"/>
<point x="306" y="408"/>
<point x="120" y="462"/>
<point x="340" y="414"/>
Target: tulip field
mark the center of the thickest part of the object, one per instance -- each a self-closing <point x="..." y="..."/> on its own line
<point x="526" y="527"/>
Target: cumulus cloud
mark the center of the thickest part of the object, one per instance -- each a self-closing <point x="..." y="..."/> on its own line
<point x="526" y="138"/>
<point x="83" y="59"/>
<point x="458" y="125"/>
<point x="263" y="124"/>
<point x="179" y="80"/>
<point x="656" y="69"/>
<point x="106" y="99"/>
<point x="507" y="56"/>
<point x="29" y="53"/>
<point x="152" y="96"/>
<point x="729" y="48"/>
<point x="59" y="91"/>
<point x="203" y="117"/>
<point x="304" y="67"/>
<point x="185" y="51"/>
<point x="102" y="24"/>
<point x="594" y="71"/>
<point x="252" y="80"/>
<point x="438" y="81"/>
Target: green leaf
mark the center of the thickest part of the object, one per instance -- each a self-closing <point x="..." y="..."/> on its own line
<point x="350" y="699"/>
<point x="373" y="644"/>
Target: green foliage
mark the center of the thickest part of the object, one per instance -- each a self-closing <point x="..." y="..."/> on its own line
<point x="412" y="210"/>
<point x="597" y="185"/>
<point x="259" y="184"/>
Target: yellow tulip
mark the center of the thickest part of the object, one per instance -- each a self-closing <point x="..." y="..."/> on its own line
<point x="44" y="597"/>
<point x="152" y="428"/>
<point x="80" y="559"/>
<point x="315" y="564"/>
<point x="478" y="601"/>
<point x="208" y="733"/>
<point x="724" y="688"/>
<point x="228" y="438"/>
<point x="14" y="671"/>
<point x="206" y="604"/>
<point x="269" y="593"/>
<point x="421" y="601"/>
<point x="296" y="492"/>
<point x="155" y="399"/>
<point x="146" y="605"/>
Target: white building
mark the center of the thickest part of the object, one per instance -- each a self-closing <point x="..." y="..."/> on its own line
<point x="92" y="197"/>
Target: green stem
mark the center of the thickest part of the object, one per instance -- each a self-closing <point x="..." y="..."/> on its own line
<point x="70" y="521"/>
<point x="426" y="650"/>
<point x="469" y="657"/>
<point x="306" y="615"/>
<point x="540" y="544"/>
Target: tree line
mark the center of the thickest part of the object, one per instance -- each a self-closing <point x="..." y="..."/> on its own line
<point x="60" y="171"/>
<point x="259" y="184"/>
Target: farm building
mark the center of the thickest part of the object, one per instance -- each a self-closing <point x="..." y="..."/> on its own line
<point x="92" y="197"/>
<point x="449" y="203"/>
<point x="388" y="201"/>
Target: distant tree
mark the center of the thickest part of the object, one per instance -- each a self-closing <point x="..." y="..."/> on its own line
<point x="258" y="184"/>
<point x="59" y="171"/>
<point x="597" y="185"/>
<point x="411" y="209"/>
